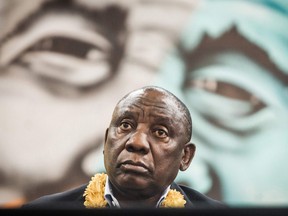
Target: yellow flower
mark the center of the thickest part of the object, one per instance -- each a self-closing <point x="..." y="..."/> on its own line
<point x="174" y="199"/>
<point x="94" y="194"/>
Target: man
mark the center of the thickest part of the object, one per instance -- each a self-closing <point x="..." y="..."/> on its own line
<point x="146" y="144"/>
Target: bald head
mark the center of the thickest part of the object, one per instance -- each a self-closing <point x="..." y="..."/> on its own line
<point x="149" y="94"/>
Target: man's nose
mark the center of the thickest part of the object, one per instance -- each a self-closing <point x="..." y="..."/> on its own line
<point x="138" y="142"/>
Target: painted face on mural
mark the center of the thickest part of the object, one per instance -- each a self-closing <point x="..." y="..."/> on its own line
<point x="64" y="65"/>
<point x="237" y="94"/>
<point x="60" y="78"/>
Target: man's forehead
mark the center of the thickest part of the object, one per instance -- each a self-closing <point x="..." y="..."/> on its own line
<point x="152" y="114"/>
<point x="147" y="98"/>
<point x="157" y="103"/>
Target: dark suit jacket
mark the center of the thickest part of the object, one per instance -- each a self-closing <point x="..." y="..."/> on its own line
<point x="74" y="199"/>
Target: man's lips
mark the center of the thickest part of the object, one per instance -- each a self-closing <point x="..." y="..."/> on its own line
<point x="132" y="166"/>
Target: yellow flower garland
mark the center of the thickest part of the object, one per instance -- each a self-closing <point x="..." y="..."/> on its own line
<point x="94" y="194"/>
<point x="174" y="199"/>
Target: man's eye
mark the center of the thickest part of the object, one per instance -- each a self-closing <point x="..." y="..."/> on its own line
<point x="161" y="133"/>
<point x="125" y="126"/>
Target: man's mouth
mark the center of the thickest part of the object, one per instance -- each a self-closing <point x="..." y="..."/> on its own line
<point x="136" y="167"/>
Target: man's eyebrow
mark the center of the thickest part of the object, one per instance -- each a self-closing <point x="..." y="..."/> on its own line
<point x="127" y="114"/>
<point x="162" y="119"/>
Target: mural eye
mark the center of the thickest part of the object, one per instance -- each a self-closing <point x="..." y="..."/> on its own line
<point x="66" y="66"/>
<point x="65" y="45"/>
<point x="229" y="91"/>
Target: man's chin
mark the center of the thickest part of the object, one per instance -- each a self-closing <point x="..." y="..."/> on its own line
<point x="133" y="181"/>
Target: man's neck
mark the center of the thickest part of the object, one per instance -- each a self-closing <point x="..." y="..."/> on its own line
<point x="135" y="198"/>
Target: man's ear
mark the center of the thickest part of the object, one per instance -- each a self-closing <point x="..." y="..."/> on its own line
<point x="188" y="154"/>
<point x="106" y="135"/>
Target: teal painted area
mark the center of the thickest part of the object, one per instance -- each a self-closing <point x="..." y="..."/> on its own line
<point x="239" y="107"/>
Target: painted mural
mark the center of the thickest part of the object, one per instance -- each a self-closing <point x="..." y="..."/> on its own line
<point x="65" y="63"/>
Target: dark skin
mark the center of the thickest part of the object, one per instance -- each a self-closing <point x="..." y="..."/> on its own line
<point x="145" y="147"/>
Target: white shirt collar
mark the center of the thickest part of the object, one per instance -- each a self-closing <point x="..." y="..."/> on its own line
<point x="108" y="195"/>
<point x="113" y="202"/>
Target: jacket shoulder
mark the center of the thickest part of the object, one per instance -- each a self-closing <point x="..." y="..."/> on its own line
<point x="70" y="198"/>
<point x="197" y="199"/>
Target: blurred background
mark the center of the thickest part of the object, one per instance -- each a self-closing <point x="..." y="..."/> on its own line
<point x="64" y="64"/>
